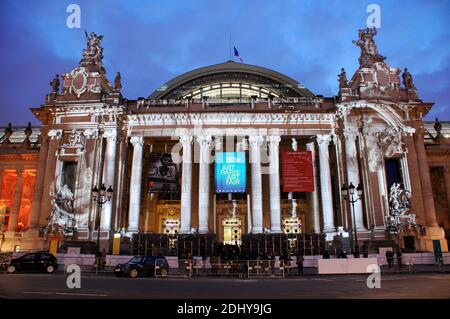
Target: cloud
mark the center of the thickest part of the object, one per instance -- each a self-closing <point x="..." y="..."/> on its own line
<point x="150" y="42"/>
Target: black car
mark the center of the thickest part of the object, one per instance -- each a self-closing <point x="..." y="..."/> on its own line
<point x="44" y="262"/>
<point x="143" y="266"/>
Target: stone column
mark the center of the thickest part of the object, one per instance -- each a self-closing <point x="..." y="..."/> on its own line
<point x="39" y="184"/>
<point x="417" y="202"/>
<point x="50" y="179"/>
<point x="16" y="205"/>
<point x="314" y="195"/>
<point x="135" y="184"/>
<point x="424" y="172"/>
<point x="118" y="191"/>
<point x="255" y="160"/>
<point x="186" y="185"/>
<point x="108" y="177"/>
<point x="325" y="184"/>
<point x="351" y="157"/>
<point x="274" y="181"/>
<point x="203" y="191"/>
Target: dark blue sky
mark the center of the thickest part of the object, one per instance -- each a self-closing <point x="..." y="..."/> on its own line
<point x="150" y="42"/>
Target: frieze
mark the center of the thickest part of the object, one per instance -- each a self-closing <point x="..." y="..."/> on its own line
<point x="230" y="118"/>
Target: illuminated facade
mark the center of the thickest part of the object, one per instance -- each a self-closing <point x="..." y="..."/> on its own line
<point x="372" y="133"/>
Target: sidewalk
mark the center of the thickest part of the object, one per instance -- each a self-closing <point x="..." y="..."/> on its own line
<point x="307" y="271"/>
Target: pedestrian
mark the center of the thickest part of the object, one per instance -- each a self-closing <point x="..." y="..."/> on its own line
<point x="271" y="263"/>
<point x="399" y="258"/>
<point x="300" y="260"/>
<point x="103" y="259"/>
<point x="390" y="258"/>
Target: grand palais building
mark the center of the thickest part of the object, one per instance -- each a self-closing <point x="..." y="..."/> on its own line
<point x="229" y="153"/>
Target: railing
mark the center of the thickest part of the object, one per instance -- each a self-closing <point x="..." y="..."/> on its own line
<point x="216" y="266"/>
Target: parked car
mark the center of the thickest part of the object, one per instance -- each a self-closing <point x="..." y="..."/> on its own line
<point x="143" y="266"/>
<point x="44" y="262"/>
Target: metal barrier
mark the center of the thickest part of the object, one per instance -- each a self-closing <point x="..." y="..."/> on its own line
<point x="259" y="267"/>
<point x="161" y="268"/>
<point x="185" y="267"/>
<point x="417" y="263"/>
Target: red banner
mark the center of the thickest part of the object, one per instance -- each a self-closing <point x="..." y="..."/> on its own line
<point x="297" y="171"/>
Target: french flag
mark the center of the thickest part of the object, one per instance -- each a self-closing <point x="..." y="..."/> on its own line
<point x="236" y="54"/>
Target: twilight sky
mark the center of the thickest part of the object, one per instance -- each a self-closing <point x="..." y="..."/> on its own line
<point x="150" y="42"/>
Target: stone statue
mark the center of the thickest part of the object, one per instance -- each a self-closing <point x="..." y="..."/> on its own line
<point x="93" y="54"/>
<point x="400" y="214"/>
<point x="391" y="142"/>
<point x="8" y="132"/>
<point x="369" y="51"/>
<point x="342" y="79"/>
<point x="438" y="128"/>
<point x="294" y="208"/>
<point x="55" y="84"/>
<point x="407" y="80"/>
<point x="233" y="213"/>
<point x="61" y="218"/>
<point x="28" y="131"/>
<point x="118" y="82"/>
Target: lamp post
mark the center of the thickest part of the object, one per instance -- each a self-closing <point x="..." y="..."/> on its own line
<point x="100" y="196"/>
<point x="350" y="190"/>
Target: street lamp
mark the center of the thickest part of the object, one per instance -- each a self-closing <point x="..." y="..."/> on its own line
<point x="350" y="190"/>
<point x="101" y="197"/>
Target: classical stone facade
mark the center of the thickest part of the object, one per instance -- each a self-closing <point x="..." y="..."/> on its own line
<point x="371" y="134"/>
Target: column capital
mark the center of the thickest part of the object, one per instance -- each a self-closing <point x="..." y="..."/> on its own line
<point x="186" y="139"/>
<point x="276" y="139"/>
<point x="323" y="139"/>
<point x="350" y="133"/>
<point x="91" y="133"/>
<point x="204" y="140"/>
<point x="255" y="140"/>
<point x="110" y="135"/>
<point x="137" y="141"/>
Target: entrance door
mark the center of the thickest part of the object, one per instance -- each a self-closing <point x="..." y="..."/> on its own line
<point x="437" y="249"/>
<point x="410" y="243"/>
<point x="232" y="231"/>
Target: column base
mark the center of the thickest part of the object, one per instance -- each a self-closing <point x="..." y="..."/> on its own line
<point x="276" y="230"/>
<point x="185" y="231"/>
<point x="83" y="233"/>
<point x="433" y="233"/>
<point x="104" y="234"/>
<point x="361" y="229"/>
<point x="329" y="230"/>
<point x="257" y="230"/>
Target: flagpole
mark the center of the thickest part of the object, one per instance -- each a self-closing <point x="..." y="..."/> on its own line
<point x="229" y="51"/>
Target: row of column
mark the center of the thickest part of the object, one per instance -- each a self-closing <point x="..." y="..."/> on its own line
<point x="352" y="169"/>
<point x="255" y="143"/>
<point x="14" y="210"/>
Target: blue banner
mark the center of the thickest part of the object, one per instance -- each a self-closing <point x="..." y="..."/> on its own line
<point x="230" y="172"/>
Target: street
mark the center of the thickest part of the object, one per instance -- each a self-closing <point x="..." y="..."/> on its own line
<point x="37" y="286"/>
